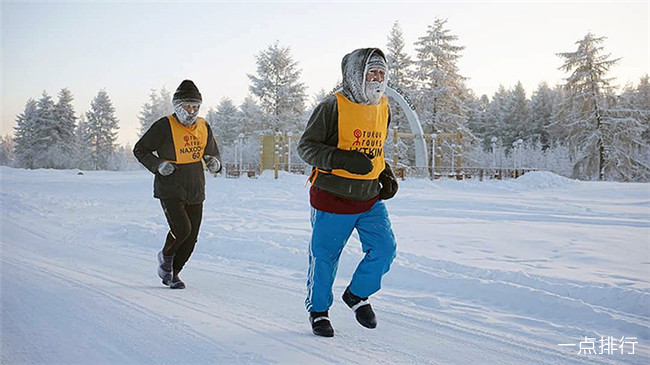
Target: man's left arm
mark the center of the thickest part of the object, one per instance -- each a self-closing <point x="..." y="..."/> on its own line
<point x="211" y="154"/>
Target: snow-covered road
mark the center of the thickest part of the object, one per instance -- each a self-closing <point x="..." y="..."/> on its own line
<point x="491" y="272"/>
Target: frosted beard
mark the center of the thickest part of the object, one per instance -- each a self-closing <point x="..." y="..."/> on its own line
<point x="187" y="119"/>
<point x="374" y="91"/>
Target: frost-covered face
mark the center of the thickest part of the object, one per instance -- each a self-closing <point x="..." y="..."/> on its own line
<point x="364" y="76"/>
<point x="187" y="112"/>
<point x="375" y="85"/>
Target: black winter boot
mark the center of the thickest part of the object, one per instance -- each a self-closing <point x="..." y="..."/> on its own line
<point x="165" y="267"/>
<point x="320" y="324"/>
<point x="362" y="309"/>
<point x="177" y="283"/>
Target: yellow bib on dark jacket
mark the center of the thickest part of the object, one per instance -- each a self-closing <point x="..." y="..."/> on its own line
<point x="189" y="142"/>
<point x="362" y="128"/>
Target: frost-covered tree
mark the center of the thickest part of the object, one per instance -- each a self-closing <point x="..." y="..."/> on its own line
<point x="252" y="120"/>
<point x="123" y="159"/>
<point x="602" y="137"/>
<point x="84" y="151"/>
<point x="442" y="95"/>
<point x="516" y="116"/>
<point x="400" y="75"/>
<point x="225" y="122"/>
<point x="641" y="99"/>
<point x="6" y="151"/>
<point x="102" y="125"/>
<point x="495" y="117"/>
<point x="477" y="122"/>
<point x="317" y="98"/>
<point x="278" y="87"/>
<point x="540" y="114"/>
<point x="44" y="133"/>
<point x="62" y="153"/>
<point x="24" y="134"/>
<point x="638" y="99"/>
<point x="399" y="62"/>
<point x="158" y="106"/>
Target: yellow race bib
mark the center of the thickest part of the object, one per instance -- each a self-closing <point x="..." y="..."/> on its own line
<point x="363" y="128"/>
<point x="189" y="142"/>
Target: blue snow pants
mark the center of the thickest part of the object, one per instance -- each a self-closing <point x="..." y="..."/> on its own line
<point x="330" y="233"/>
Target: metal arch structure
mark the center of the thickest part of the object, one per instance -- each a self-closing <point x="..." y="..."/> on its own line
<point x="421" y="156"/>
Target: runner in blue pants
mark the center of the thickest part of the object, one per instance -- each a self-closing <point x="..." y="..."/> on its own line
<point x="344" y="142"/>
<point x="330" y="234"/>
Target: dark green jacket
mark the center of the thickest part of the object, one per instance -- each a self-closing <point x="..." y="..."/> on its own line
<point x="187" y="183"/>
<point x="316" y="145"/>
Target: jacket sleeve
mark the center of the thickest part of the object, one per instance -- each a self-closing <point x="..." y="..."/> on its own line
<point x="322" y="128"/>
<point x="211" y="147"/>
<point x="147" y="144"/>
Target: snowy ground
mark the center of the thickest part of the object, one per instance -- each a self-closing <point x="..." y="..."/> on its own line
<point x="498" y="272"/>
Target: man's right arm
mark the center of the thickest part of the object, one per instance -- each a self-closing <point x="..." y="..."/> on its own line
<point x="149" y="142"/>
<point x="321" y="127"/>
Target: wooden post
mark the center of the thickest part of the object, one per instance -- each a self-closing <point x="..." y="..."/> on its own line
<point x="261" y="154"/>
<point x="276" y="155"/>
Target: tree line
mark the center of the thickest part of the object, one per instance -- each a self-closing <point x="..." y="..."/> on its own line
<point x="583" y="128"/>
<point x="49" y="134"/>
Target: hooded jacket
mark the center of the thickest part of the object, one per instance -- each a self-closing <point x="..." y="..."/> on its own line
<point x="187" y="182"/>
<point x="321" y="136"/>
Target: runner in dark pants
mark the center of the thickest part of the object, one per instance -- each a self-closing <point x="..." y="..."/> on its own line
<point x="184" y="221"/>
<point x="181" y="142"/>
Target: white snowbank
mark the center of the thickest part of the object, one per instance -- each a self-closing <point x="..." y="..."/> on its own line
<point x="543" y="180"/>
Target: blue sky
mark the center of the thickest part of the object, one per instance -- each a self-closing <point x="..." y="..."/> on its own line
<point x="130" y="48"/>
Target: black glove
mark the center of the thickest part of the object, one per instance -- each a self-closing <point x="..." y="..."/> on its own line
<point x="351" y="161"/>
<point x="388" y="184"/>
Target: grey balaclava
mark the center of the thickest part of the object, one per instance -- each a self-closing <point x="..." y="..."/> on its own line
<point x="354" y="66"/>
<point x="187" y="92"/>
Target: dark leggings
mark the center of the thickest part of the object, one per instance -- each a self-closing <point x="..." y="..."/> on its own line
<point x="184" y="222"/>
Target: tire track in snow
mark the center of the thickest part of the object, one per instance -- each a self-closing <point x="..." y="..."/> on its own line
<point x="93" y="281"/>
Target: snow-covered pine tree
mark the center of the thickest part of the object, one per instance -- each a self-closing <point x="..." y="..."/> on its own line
<point x="400" y="76"/>
<point x="477" y="122"/>
<point x="638" y="98"/>
<point x="540" y="114"/>
<point x="641" y="100"/>
<point x="516" y="106"/>
<point x="64" y="153"/>
<point x="399" y="62"/>
<point x="6" y="151"/>
<point x="158" y="106"/>
<point x="442" y="98"/>
<point x="224" y="122"/>
<point x="603" y="137"/>
<point x="252" y="120"/>
<point x="278" y="87"/>
<point x="317" y="98"/>
<point x="102" y="131"/>
<point x="84" y="151"/>
<point x="495" y="118"/>
<point x="45" y="133"/>
<point x="24" y="133"/>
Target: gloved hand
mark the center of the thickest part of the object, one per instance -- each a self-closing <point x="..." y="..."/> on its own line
<point x="212" y="163"/>
<point x="166" y="168"/>
<point x="388" y="184"/>
<point x="351" y="161"/>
